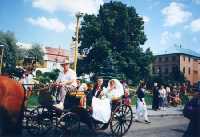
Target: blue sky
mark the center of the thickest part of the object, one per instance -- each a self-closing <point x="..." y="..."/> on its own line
<point x="51" y="22"/>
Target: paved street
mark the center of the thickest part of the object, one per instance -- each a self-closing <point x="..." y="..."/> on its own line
<point x="160" y="127"/>
<point x="171" y="126"/>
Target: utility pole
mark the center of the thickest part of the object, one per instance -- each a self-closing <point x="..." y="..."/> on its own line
<point x="78" y="16"/>
<point x="1" y="59"/>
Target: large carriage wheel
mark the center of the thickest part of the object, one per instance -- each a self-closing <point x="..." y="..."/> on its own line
<point x="26" y="118"/>
<point x="101" y="126"/>
<point x="70" y="124"/>
<point x="40" y="121"/>
<point x="121" y="120"/>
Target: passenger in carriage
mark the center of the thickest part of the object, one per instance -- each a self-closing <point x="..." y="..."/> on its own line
<point x="114" y="90"/>
<point x="95" y="91"/>
<point x="67" y="80"/>
<point x="27" y="80"/>
<point x="102" y="106"/>
<point x="98" y="87"/>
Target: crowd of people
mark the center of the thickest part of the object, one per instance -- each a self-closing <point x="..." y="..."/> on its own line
<point x="163" y="96"/>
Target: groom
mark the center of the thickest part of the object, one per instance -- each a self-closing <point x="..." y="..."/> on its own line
<point x="98" y="87"/>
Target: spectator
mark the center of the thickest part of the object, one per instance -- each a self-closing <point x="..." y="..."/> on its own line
<point x="168" y="91"/>
<point x="155" y="102"/>
<point x="183" y="89"/>
<point x="174" y="97"/>
<point x="163" y="97"/>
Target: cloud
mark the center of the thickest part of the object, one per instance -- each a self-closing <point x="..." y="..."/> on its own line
<point x="167" y="36"/>
<point x="48" y="23"/>
<point x="154" y="4"/>
<point x="71" y="26"/>
<point x="175" y="14"/>
<point x="164" y="38"/>
<point x="146" y="19"/>
<point x="71" y="6"/>
<point x="177" y="35"/>
<point x="195" y="25"/>
<point x="195" y="40"/>
<point x="196" y="1"/>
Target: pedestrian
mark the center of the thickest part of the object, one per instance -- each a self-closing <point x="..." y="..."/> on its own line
<point x="163" y="97"/>
<point x="155" y="101"/>
<point x="183" y="89"/>
<point x="168" y="91"/>
<point x="192" y="112"/>
<point x="141" y="108"/>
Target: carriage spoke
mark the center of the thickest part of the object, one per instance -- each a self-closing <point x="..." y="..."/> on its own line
<point x="117" y="127"/>
<point x="117" y="123"/>
<point x="118" y="131"/>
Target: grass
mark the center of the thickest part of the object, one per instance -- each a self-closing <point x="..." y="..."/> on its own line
<point x="33" y="100"/>
<point x="148" y="99"/>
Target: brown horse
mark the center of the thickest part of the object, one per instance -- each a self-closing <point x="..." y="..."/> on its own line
<point x="12" y="98"/>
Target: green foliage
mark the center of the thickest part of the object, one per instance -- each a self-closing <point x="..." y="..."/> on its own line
<point x="148" y="99"/>
<point x="33" y="101"/>
<point x="174" y="77"/>
<point x="9" y="59"/>
<point x="112" y="42"/>
<point x="38" y="73"/>
<point x="47" y="77"/>
<point x="36" y="52"/>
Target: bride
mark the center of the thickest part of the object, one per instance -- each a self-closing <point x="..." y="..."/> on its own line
<point x="102" y="106"/>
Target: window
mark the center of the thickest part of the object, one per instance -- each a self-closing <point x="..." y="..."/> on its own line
<point x="173" y="58"/>
<point x="153" y="70"/>
<point x="160" y="59"/>
<point x="184" y="70"/>
<point x="166" y="70"/>
<point x="175" y="69"/>
<point x="166" y="59"/>
<point x="189" y="59"/>
<point x="184" y="58"/>
<point x="159" y="70"/>
<point x="189" y="71"/>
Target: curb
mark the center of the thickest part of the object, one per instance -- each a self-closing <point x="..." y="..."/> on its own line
<point x="164" y="115"/>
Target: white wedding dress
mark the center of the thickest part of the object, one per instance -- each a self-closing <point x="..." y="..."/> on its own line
<point x="102" y="106"/>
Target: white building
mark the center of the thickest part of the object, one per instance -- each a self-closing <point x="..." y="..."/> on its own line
<point x="53" y="57"/>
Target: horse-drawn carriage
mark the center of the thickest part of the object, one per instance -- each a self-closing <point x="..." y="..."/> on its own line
<point x="41" y="119"/>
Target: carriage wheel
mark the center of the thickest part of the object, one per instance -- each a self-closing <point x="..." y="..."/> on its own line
<point x="70" y="124"/>
<point x="121" y="120"/>
<point x="26" y="118"/>
<point x="101" y="126"/>
<point x="40" y="121"/>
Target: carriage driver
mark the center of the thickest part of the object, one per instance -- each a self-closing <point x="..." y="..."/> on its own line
<point x="67" y="80"/>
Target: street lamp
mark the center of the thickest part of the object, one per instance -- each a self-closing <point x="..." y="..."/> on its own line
<point x="1" y="57"/>
<point x="78" y="16"/>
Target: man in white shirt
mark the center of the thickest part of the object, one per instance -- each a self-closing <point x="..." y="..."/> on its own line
<point x="67" y="79"/>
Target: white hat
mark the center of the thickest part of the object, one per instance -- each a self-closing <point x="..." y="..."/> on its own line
<point x="64" y="62"/>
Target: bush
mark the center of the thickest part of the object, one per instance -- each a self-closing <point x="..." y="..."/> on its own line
<point x="33" y="101"/>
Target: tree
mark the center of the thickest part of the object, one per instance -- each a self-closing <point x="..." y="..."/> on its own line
<point x="112" y="39"/>
<point x="36" y="52"/>
<point x="9" y="59"/>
